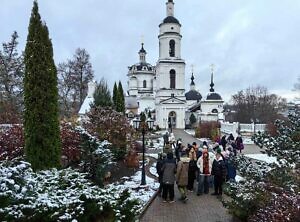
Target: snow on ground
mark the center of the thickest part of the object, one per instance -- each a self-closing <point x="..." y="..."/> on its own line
<point x="142" y="193"/>
<point x="190" y="131"/>
<point x="153" y="170"/>
<point x="262" y="157"/>
<point x="238" y="178"/>
<point x="247" y="140"/>
<point x="154" y="155"/>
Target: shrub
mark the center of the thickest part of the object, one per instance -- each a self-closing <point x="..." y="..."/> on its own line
<point x="207" y="130"/>
<point x="58" y="195"/>
<point x="272" y="190"/>
<point x="70" y="141"/>
<point x="107" y="124"/>
<point x="11" y="142"/>
<point x="95" y="156"/>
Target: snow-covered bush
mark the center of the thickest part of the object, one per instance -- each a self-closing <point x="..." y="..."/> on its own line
<point x="270" y="191"/>
<point x="78" y="147"/>
<point x="95" y="156"/>
<point x="57" y="195"/>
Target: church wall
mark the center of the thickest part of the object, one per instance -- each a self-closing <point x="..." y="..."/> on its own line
<point x="163" y="75"/>
<point x="207" y="107"/>
<point x="162" y="113"/>
<point x="146" y="103"/>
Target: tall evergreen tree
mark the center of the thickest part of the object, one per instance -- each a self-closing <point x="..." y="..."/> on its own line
<point x="121" y="99"/>
<point x="102" y="95"/>
<point x="41" y="123"/>
<point x="115" y="96"/>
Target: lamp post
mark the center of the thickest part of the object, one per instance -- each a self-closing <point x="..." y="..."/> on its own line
<point x="138" y="124"/>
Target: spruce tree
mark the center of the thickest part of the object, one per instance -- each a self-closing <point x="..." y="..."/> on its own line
<point x="115" y="96"/>
<point x="41" y="120"/>
<point x="102" y="96"/>
<point x="121" y="99"/>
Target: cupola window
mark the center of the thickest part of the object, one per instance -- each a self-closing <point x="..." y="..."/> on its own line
<point x="172" y="78"/>
<point x="172" y="48"/>
<point x="144" y="84"/>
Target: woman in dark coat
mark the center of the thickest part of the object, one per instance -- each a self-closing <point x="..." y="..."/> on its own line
<point x="169" y="170"/>
<point x="223" y="142"/>
<point x="219" y="172"/>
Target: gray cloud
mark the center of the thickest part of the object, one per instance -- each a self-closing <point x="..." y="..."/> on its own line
<point x="251" y="42"/>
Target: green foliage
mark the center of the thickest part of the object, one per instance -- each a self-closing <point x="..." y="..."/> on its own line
<point x="126" y="207"/>
<point x="269" y="191"/>
<point x="118" y="153"/>
<point x="115" y="96"/>
<point x="143" y="117"/>
<point x="193" y="119"/>
<point x="42" y="136"/>
<point x="118" y="98"/>
<point x="93" y="163"/>
<point x="102" y="95"/>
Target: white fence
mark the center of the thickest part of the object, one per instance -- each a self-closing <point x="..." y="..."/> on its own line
<point x="242" y="128"/>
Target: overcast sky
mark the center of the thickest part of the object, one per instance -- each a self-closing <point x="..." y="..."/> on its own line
<point x="254" y="42"/>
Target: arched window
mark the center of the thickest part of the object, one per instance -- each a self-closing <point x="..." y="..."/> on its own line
<point x="172" y="48"/>
<point x="144" y="84"/>
<point x="214" y="111"/>
<point x="172" y="79"/>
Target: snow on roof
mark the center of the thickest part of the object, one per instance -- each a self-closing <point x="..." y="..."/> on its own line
<point x="85" y="107"/>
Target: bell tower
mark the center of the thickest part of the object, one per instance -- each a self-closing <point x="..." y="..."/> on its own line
<point x="170" y="67"/>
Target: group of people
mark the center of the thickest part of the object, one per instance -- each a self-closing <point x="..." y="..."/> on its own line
<point x="235" y="144"/>
<point x="211" y="167"/>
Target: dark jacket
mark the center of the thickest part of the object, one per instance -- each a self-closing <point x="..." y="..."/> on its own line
<point x="219" y="168"/>
<point x="159" y="165"/>
<point x="169" y="170"/>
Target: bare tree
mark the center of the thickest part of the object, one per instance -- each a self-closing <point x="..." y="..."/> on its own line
<point x="256" y="104"/>
<point x="74" y="76"/>
<point x="11" y="77"/>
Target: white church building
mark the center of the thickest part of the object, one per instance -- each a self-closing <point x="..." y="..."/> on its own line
<point x="160" y="88"/>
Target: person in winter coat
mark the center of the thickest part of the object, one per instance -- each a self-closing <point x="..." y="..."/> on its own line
<point x="167" y="148"/>
<point x="159" y="165"/>
<point x="204" y="164"/>
<point x="178" y="150"/>
<point x="219" y="172"/>
<point x="169" y="170"/>
<point x="182" y="177"/>
<point x="239" y="143"/>
<point x="192" y="169"/>
<point x="166" y="138"/>
<point x="223" y="142"/>
<point x="231" y="170"/>
<point x="230" y="138"/>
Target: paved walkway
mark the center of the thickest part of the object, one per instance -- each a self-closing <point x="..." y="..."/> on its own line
<point x="206" y="208"/>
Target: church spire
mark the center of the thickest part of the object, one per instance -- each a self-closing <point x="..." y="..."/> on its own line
<point x="142" y="54"/>
<point x="170" y="8"/>
<point x="212" y="78"/>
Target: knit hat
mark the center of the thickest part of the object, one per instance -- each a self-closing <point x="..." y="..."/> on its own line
<point x="219" y="150"/>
